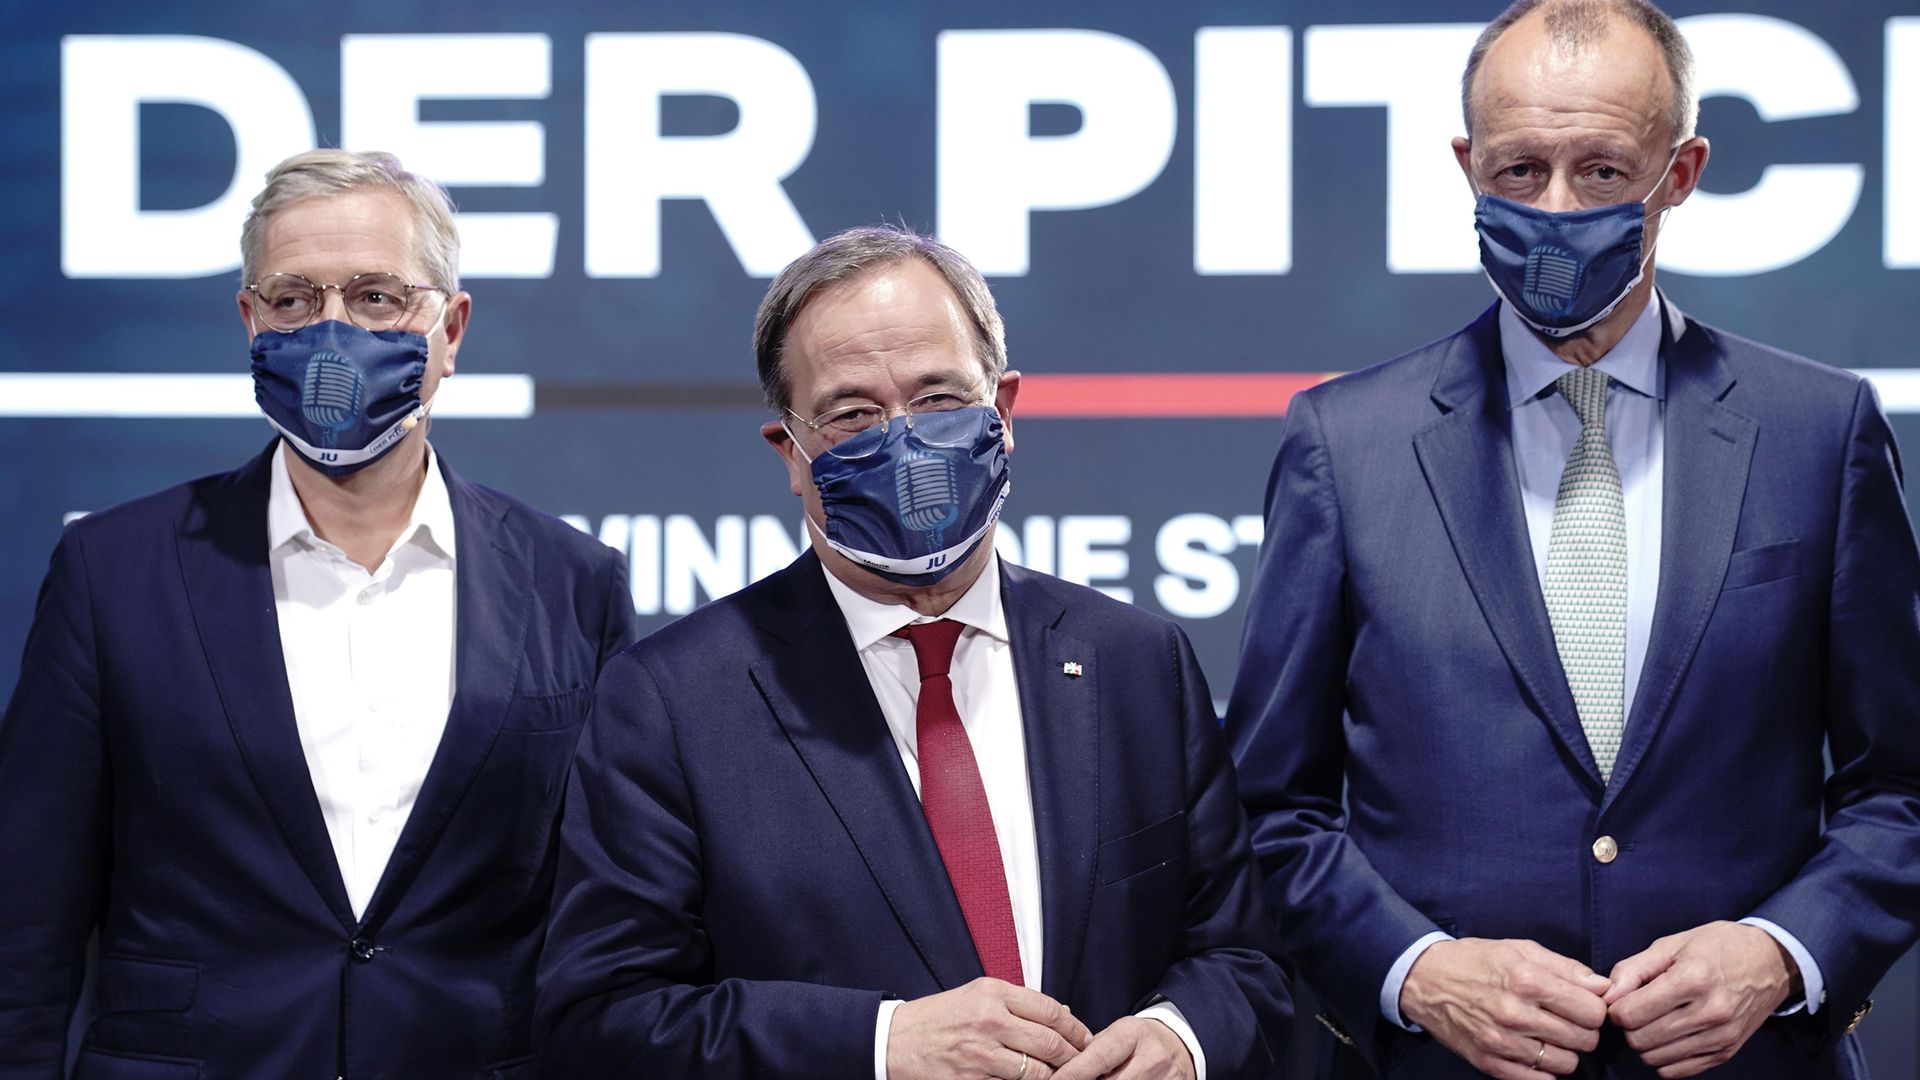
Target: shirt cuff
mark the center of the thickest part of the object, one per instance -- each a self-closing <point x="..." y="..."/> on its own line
<point x="1397" y="978"/>
<point x="1811" y="983"/>
<point x="1169" y="1014"/>
<point x="881" y="1024"/>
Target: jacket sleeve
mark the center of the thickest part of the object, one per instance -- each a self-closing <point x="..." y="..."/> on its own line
<point x="1854" y="905"/>
<point x="1343" y="925"/>
<point x="53" y="822"/>
<point x="1230" y="985"/>
<point x="625" y="985"/>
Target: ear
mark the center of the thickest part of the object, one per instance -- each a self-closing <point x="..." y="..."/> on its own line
<point x="1688" y="163"/>
<point x="799" y="469"/>
<point x="244" y="300"/>
<point x="453" y="322"/>
<point x="1003" y="403"/>
<point x="1463" y="155"/>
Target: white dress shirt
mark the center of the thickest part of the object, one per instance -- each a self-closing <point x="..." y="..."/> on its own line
<point x="986" y="693"/>
<point x="369" y="659"/>
<point x="1545" y="428"/>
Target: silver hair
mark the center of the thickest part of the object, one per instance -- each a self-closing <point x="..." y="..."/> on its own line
<point x="323" y="172"/>
<point x="847" y="254"/>
<point x="1577" y="24"/>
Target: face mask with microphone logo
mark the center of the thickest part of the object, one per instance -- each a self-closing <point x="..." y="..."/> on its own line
<point x="911" y="503"/>
<point x="1563" y="272"/>
<point x="341" y="396"/>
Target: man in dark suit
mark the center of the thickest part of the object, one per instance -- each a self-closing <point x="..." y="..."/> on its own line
<point x="900" y="809"/>
<point x="310" y="815"/>
<point x="1552" y="622"/>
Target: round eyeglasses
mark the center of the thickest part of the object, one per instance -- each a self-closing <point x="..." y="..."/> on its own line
<point x="856" y="431"/>
<point x="373" y="301"/>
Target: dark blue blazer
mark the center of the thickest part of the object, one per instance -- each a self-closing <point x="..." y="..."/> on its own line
<point x="1398" y="647"/>
<point x="745" y="870"/>
<point x="153" y="788"/>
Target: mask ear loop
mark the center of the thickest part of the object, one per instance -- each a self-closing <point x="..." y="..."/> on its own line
<point x="1664" y="173"/>
<point x="808" y="518"/>
<point x="1660" y="226"/>
<point x="419" y="415"/>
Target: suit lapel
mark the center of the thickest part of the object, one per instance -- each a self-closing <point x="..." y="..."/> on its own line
<point x="813" y="682"/>
<point x="223" y="558"/>
<point x="1062" y="721"/>
<point x="1708" y="447"/>
<point x="1467" y="457"/>
<point x="493" y="576"/>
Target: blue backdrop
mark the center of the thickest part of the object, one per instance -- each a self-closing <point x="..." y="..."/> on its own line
<point x="1185" y="209"/>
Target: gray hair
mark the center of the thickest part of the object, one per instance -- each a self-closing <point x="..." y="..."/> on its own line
<point x="323" y="172"/>
<point x="1577" y="24"/>
<point x="847" y="254"/>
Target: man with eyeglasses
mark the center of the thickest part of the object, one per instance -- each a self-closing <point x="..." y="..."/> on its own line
<point x="902" y="809"/>
<point x="290" y="740"/>
<point x="1552" y="622"/>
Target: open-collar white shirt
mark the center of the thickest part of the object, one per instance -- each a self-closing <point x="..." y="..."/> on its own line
<point x="370" y="665"/>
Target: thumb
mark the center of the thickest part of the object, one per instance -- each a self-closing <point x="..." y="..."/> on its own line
<point x="1573" y="971"/>
<point x="1098" y="1058"/>
<point x="1639" y="970"/>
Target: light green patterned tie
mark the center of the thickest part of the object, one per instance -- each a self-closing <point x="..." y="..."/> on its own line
<point x="1586" y="586"/>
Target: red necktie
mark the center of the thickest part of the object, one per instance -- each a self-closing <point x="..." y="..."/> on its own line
<point x="956" y="804"/>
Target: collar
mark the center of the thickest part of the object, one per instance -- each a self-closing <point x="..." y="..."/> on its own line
<point x="431" y="526"/>
<point x="869" y="621"/>
<point x="1633" y="362"/>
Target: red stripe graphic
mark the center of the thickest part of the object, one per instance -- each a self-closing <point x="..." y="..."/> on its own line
<point x="1206" y="394"/>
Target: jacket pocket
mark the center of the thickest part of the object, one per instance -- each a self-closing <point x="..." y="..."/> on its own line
<point x="517" y="1068"/>
<point x="97" y="1064"/>
<point x="1144" y="849"/>
<point x="547" y="712"/>
<point x="127" y="984"/>
<point x="1759" y="565"/>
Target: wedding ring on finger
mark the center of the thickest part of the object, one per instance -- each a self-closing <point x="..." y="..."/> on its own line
<point x="1023" y="1068"/>
<point x="1537" y="1058"/>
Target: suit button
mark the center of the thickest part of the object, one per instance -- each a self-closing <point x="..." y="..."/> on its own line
<point x="362" y="950"/>
<point x="1605" y="850"/>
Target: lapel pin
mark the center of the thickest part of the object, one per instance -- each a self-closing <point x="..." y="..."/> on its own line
<point x="1072" y="669"/>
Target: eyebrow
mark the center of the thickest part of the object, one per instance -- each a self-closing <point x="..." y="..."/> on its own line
<point x="932" y="380"/>
<point x="1605" y="151"/>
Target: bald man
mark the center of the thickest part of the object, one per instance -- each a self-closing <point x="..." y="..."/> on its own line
<point x="1554" y="619"/>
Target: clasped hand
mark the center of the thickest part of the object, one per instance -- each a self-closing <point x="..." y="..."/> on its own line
<point x="1689" y="1002"/>
<point x="1518" y="1011"/>
<point x="993" y="1029"/>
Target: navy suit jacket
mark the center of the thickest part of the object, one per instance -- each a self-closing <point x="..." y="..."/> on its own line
<point x="746" y="872"/>
<point x="1397" y="646"/>
<point x="153" y="787"/>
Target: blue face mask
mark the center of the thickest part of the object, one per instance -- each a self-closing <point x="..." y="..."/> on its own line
<point x="910" y="504"/>
<point x="1562" y="272"/>
<point x="341" y="396"/>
